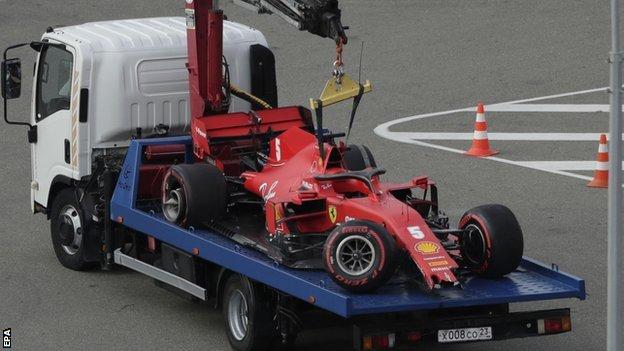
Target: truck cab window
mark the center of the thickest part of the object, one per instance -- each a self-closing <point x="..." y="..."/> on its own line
<point x="54" y="81"/>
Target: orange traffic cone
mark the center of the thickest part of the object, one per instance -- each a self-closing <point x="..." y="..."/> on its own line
<point x="480" y="143"/>
<point x="601" y="174"/>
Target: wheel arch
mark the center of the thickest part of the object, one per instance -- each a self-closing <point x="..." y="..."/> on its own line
<point x="59" y="183"/>
<point x="223" y="276"/>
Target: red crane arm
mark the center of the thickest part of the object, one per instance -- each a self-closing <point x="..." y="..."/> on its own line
<point x="205" y="42"/>
<point x="204" y="23"/>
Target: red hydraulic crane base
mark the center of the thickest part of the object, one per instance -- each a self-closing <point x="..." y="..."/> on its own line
<point x="205" y="53"/>
<point x="209" y="116"/>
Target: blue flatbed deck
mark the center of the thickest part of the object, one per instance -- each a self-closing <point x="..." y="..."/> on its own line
<point x="532" y="281"/>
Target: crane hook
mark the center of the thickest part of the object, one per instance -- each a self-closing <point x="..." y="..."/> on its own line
<point x="339" y="64"/>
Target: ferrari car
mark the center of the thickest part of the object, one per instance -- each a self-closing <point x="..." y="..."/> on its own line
<point x="270" y="180"/>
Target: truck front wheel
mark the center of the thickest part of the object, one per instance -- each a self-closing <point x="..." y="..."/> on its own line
<point x="68" y="229"/>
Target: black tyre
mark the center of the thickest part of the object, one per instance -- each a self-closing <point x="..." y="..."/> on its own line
<point x="360" y="256"/>
<point x="358" y="157"/>
<point x="68" y="229"/>
<point x="194" y="194"/>
<point x="248" y="316"/>
<point x="494" y="244"/>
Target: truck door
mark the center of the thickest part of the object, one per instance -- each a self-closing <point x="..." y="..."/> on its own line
<point x="51" y="155"/>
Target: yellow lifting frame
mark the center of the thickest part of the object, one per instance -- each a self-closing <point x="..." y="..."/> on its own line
<point x="335" y="93"/>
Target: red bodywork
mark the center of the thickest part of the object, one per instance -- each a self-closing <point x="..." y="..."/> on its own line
<point x="289" y="179"/>
<point x="223" y="138"/>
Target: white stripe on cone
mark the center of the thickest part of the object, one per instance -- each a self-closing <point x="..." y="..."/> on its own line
<point x="480" y="135"/>
<point x="602" y="166"/>
<point x="603" y="148"/>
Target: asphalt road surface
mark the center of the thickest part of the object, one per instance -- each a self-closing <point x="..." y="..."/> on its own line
<point x="423" y="56"/>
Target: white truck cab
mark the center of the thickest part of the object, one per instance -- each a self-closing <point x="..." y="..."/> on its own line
<point x="98" y="85"/>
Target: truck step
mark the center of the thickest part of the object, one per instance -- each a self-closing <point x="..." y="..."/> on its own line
<point x="160" y="275"/>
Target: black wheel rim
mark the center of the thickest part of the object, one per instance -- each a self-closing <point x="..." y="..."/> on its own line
<point x="473" y="245"/>
<point x="355" y="255"/>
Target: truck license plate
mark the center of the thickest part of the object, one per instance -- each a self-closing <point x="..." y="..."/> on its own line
<point x="464" y="334"/>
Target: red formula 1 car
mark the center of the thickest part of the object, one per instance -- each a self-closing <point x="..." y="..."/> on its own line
<point x="269" y="183"/>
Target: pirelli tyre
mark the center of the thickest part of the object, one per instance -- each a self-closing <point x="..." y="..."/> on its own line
<point x="194" y="194"/>
<point x="360" y="256"/>
<point x="493" y="244"/>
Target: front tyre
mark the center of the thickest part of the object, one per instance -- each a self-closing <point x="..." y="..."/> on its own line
<point x="68" y="229"/>
<point x="493" y="244"/>
<point x="360" y="256"/>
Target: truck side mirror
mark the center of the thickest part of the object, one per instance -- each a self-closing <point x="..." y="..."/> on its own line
<point x="11" y="81"/>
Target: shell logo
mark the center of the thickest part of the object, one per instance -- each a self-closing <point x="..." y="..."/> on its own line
<point x="427" y="247"/>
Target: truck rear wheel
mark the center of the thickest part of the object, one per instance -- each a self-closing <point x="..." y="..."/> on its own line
<point x="493" y="244"/>
<point x="194" y="194"/>
<point x="68" y="229"/>
<point x="360" y="256"/>
<point x="248" y="317"/>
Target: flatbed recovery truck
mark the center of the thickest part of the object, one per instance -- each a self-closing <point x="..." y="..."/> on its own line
<point x="110" y="116"/>
<point x="398" y="314"/>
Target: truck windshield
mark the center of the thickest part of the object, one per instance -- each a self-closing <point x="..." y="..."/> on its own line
<point x="53" y="81"/>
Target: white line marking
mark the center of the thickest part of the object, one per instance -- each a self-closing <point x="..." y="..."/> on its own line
<point x="561" y="165"/>
<point x="503" y="160"/>
<point x="383" y="130"/>
<point x="568" y="165"/>
<point x="384" y="127"/>
<point x="569" y="108"/>
<point x="556" y="96"/>
<point x="501" y="136"/>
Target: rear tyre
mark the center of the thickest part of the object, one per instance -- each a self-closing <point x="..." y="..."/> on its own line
<point x="68" y="229"/>
<point x="494" y="243"/>
<point x="360" y="256"/>
<point x="358" y="157"/>
<point x="194" y="194"/>
<point x="248" y="317"/>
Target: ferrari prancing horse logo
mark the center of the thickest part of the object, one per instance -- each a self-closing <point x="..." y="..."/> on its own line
<point x="333" y="213"/>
